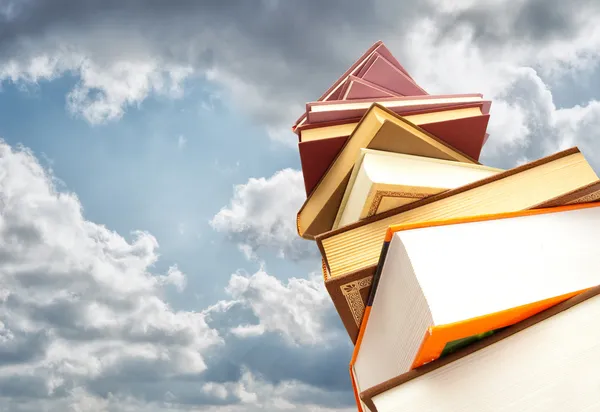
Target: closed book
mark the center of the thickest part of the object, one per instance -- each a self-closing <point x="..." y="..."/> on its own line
<point x="357" y="88"/>
<point x="334" y="91"/>
<point x="379" y="129"/>
<point x="560" y="179"/>
<point x="431" y="291"/>
<point x="344" y="126"/>
<point x="546" y="363"/>
<point x="463" y="129"/>
<point x="318" y="112"/>
<point x="382" y="72"/>
<point x="381" y="181"/>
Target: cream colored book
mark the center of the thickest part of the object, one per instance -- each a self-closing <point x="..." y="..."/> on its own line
<point x="381" y="181"/>
<point x="345" y="129"/>
<point x="379" y="129"/>
<point x="442" y="282"/>
<point x="357" y="246"/>
<point x="547" y="363"/>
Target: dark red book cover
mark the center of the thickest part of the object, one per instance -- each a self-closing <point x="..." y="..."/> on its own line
<point x="380" y="71"/>
<point x="362" y="65"/>
<point x="403" y="111"/>
<point x="467" y="135"/>
<point x="315" y="158"/>
<point x="356" y="88"/>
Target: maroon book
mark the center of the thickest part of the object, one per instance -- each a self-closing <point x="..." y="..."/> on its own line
<point x="324" y="119"/>
<point x="357" y="88"/>
<point x="334" y="92"/>
<point x="380" y="71"/>
<point x="315" y="158"/>
<point x="468" y="135"/>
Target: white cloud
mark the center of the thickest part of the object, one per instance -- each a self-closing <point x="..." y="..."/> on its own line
<point x="525" y="123"/>
<point x="174" y="277"/>
<point x="104" y="91"/>
<point x="84" y="325"/>
<point x="293" y="310"/>
<point x="269" y="74"/>
<point x="79" y="300"/>
<point x="262" y="216"/>
<point x="83" y="317"/>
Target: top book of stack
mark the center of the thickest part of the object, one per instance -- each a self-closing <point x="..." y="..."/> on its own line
<point x="460" y="120"/>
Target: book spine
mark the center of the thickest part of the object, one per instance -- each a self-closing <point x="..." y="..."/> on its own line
<point x="377" y="274"/>
<point x="349" y="294"/>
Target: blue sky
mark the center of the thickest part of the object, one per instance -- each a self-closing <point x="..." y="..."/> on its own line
<point x="148" y="253"/>
<point x="167" y="167"/>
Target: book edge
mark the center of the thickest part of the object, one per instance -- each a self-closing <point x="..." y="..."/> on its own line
<point x="367" y="395"/>
<point x="401" y="121"/>
<point x="531" y="165"/>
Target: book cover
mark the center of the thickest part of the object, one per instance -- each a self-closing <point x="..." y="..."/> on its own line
<point x="557" y="290"/>
<point x="380" y="129"/>
<point x="352" y="109"/>
<point x="333" y="93"/>
<point x="380" y="71"/>
<point x="466" y="135"/>
<point x="367" y="395"/>
<point x="351" y="305"/>
<point x="355" y="88"/>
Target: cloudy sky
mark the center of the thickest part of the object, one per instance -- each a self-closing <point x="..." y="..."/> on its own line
<point x="149" y="182"/>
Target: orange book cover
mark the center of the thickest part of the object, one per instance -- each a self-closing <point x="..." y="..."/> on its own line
<point x="438" y="337"/>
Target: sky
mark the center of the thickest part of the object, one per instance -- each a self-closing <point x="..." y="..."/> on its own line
<point x="149" y="182"/>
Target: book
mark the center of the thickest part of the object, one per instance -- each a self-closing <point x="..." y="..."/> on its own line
<point x="358" y="245"/>
<point x="547" y="362"/>
<point x="333" y="93"/>
<point x="379" y="129"/>
<point x="381" y="71"/>
<point x="354" y="250"/>
<point x="381" y="181"/>
<point x="440" y="282"/>
<point x="461" y="128"/>
<point x="317" y="112"/>
<point x="357" y="88"/>
<point x="344" y="126"/>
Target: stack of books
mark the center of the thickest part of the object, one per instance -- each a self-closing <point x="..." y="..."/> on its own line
<point x="462" y="286"/>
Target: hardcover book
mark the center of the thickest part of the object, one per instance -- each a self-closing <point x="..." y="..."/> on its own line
<point x="350" y="253"/>
<point x="318" y="112"/>
<point x="381" y="181"/>
<point x="547" y="362"/>
<point x="462" y="128"/>
<point x="413" y="313"/>
<point x="358" y="69"/>
<point x="379" y="129"/>
<point x="357" y="88"/>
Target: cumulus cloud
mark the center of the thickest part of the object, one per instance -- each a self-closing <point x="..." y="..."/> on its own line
<point x="84" y="325"/>
<point x="526" y="122"/>
<point x="79" y="301"/>
<point x="295" y="311"/>
<point x="268" y="67"/>
<point x="83" y="322"/>
<point x="283" y="332"/>
<point x="261" y="216"/>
